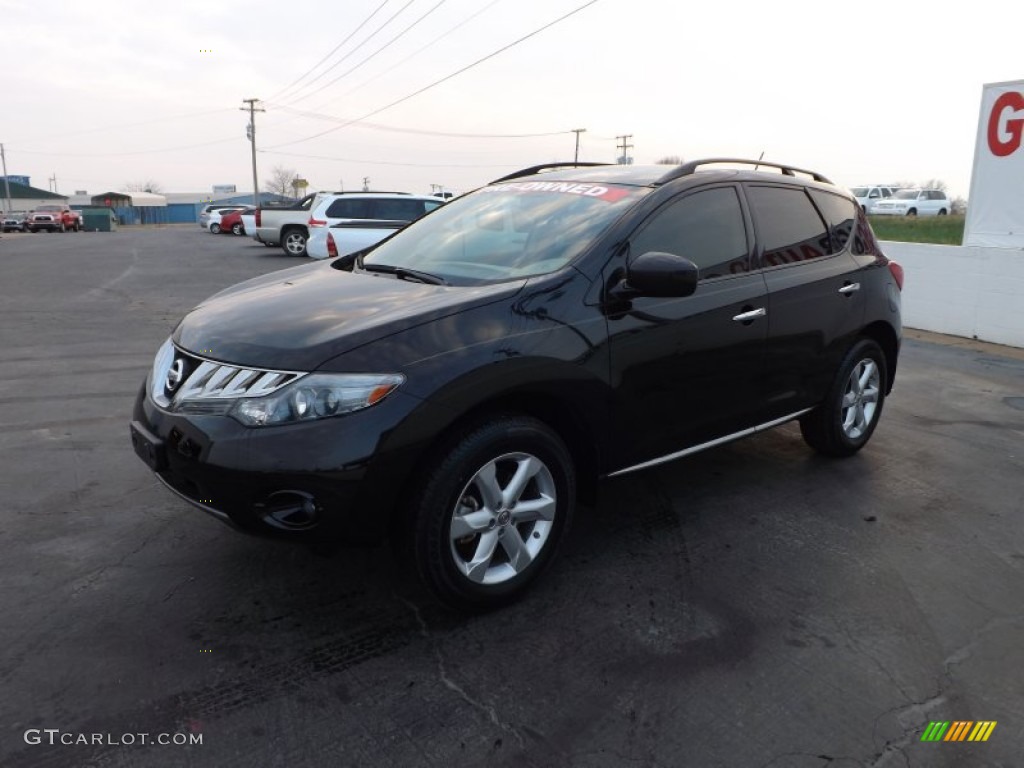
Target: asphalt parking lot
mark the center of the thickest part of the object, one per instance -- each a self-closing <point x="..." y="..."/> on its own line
<point x="754" y="605"/>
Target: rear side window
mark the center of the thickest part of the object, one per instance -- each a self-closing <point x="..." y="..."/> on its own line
<point x="351" y="208"/>
<point x="839" y="213"/>
<point x="789" y="227"/>
<point x="705" y="227"/>
<point x="399" y="210"/>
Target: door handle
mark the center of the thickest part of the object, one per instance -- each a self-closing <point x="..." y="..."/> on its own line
<point x="849" y="288"/>
<point x="746" y="317"/>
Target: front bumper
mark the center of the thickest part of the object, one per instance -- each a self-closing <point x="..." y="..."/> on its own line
<point x="326" y="481"/>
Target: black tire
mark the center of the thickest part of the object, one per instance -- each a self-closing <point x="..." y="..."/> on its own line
<point x="498" y="448"/>
<point x="841" y="425"/>
<point x="912" y="212"/>
<point x="293" y="242"/>
<point x="942" y="211"/>
<point x="215" y="228"/>
<point x="236" y="229"/>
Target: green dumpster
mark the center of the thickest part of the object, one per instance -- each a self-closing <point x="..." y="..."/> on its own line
<point x="99" y="220"/>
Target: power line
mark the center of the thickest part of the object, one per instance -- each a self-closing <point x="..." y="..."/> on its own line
<point x="415" y="53"/>
<point x="443" y="79"/>
<point x="295" y="97"/>
<point x="126" y="154"/>
<point x="131" y="125"/>
<point x="386" y="45"/>
<point x="422" y="131"/>
<point x="390" y="162"/>
<point x="333" y="51"/>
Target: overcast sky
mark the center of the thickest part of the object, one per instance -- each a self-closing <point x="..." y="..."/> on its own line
<point x="105" y="95"/>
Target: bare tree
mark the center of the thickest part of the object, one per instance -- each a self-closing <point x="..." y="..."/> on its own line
<point x="934" y="184"/>
<point x="280" y="181"/>
<point x="959" y="205"/>
<point x="670" y="160"/>
<point x="149" y="185"/>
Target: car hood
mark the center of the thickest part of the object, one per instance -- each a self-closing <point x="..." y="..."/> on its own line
<point x="299" y="318"/>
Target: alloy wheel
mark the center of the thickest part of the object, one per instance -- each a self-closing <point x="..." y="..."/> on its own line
<point x="860" y="398"/>
<point x="503" y="518"/>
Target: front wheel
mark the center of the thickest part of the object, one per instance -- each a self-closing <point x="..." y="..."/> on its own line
<point x="294" y="242"/>
<point x="490" y="511"/>
<point x="215" y="228"/>
<point x="844" y="422"/>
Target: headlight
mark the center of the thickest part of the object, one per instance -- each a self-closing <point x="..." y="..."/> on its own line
<point x="316" y="396"/>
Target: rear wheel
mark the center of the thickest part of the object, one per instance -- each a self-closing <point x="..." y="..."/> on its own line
<point x="294" y="242"/>
<point x="236" y="229"/>
<point x="489" y="513"/>
<point x="912" y="212"/>
<point x="942" y="212"/>
<point x="845" y="421"/>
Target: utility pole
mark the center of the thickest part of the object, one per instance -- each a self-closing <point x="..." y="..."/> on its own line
<point x="53" y="180"/>
<point x="624" y="158"/>
<point x="251" y="132"/>
<point x="7" y="183"/>
<point x="366" y="183"/>
<point x="578" y="131"/>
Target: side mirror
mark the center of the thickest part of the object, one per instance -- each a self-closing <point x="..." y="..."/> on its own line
<point x="659" y="275"/>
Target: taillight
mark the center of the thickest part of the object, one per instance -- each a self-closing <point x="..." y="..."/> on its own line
<point x="897" y="274"/>
<point x="332" y="249"/>
<point x="259" y="217"/>
<point x="316" y="223"/>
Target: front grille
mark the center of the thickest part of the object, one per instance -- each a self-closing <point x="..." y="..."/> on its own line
<point x="180" y="379"/>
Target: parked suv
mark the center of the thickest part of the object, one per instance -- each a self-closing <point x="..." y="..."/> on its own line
<point x="457" y="387"/>
<point x="14" y="222"/>
<point x="914" y="202"/>
<point x="870" y="195"/>
<point x="343" y="222"/>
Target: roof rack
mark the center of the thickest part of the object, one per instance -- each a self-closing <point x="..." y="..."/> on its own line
<point x="687" y="169"/>
<point x="538" y="168"/>
<point x="362" y="192"/>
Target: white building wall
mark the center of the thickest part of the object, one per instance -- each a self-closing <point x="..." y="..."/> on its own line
<point x="964" y="291"/>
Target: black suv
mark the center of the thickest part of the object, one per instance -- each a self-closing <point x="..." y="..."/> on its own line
<point x="457" y="385"/>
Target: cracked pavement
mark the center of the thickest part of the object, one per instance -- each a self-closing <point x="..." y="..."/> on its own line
<point x="754" y="605"/>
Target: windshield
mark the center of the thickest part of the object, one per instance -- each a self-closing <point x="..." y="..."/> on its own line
<point x="906" y="194"/>
<point x="860" y="191"/>
<point x="504" y="231"/>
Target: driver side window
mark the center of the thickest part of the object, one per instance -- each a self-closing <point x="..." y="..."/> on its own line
<point x="706" y="227"/>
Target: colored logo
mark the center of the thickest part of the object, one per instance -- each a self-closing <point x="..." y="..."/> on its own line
<point x="958" y="730"/>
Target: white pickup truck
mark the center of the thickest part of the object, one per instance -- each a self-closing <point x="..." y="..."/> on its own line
<point x="286" y="225"/>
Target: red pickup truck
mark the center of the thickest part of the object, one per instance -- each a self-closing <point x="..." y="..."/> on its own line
<point x="53" y="218"/>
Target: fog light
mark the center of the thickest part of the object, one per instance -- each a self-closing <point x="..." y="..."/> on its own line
<point x="290" y="510"/>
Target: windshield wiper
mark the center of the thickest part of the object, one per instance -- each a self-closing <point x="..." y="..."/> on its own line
<point x="404" y="273"/>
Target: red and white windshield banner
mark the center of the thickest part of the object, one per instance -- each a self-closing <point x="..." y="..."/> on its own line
<point x="605" y="192"/>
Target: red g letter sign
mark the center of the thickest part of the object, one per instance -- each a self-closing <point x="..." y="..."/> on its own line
<point x="1011" y="100"/>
